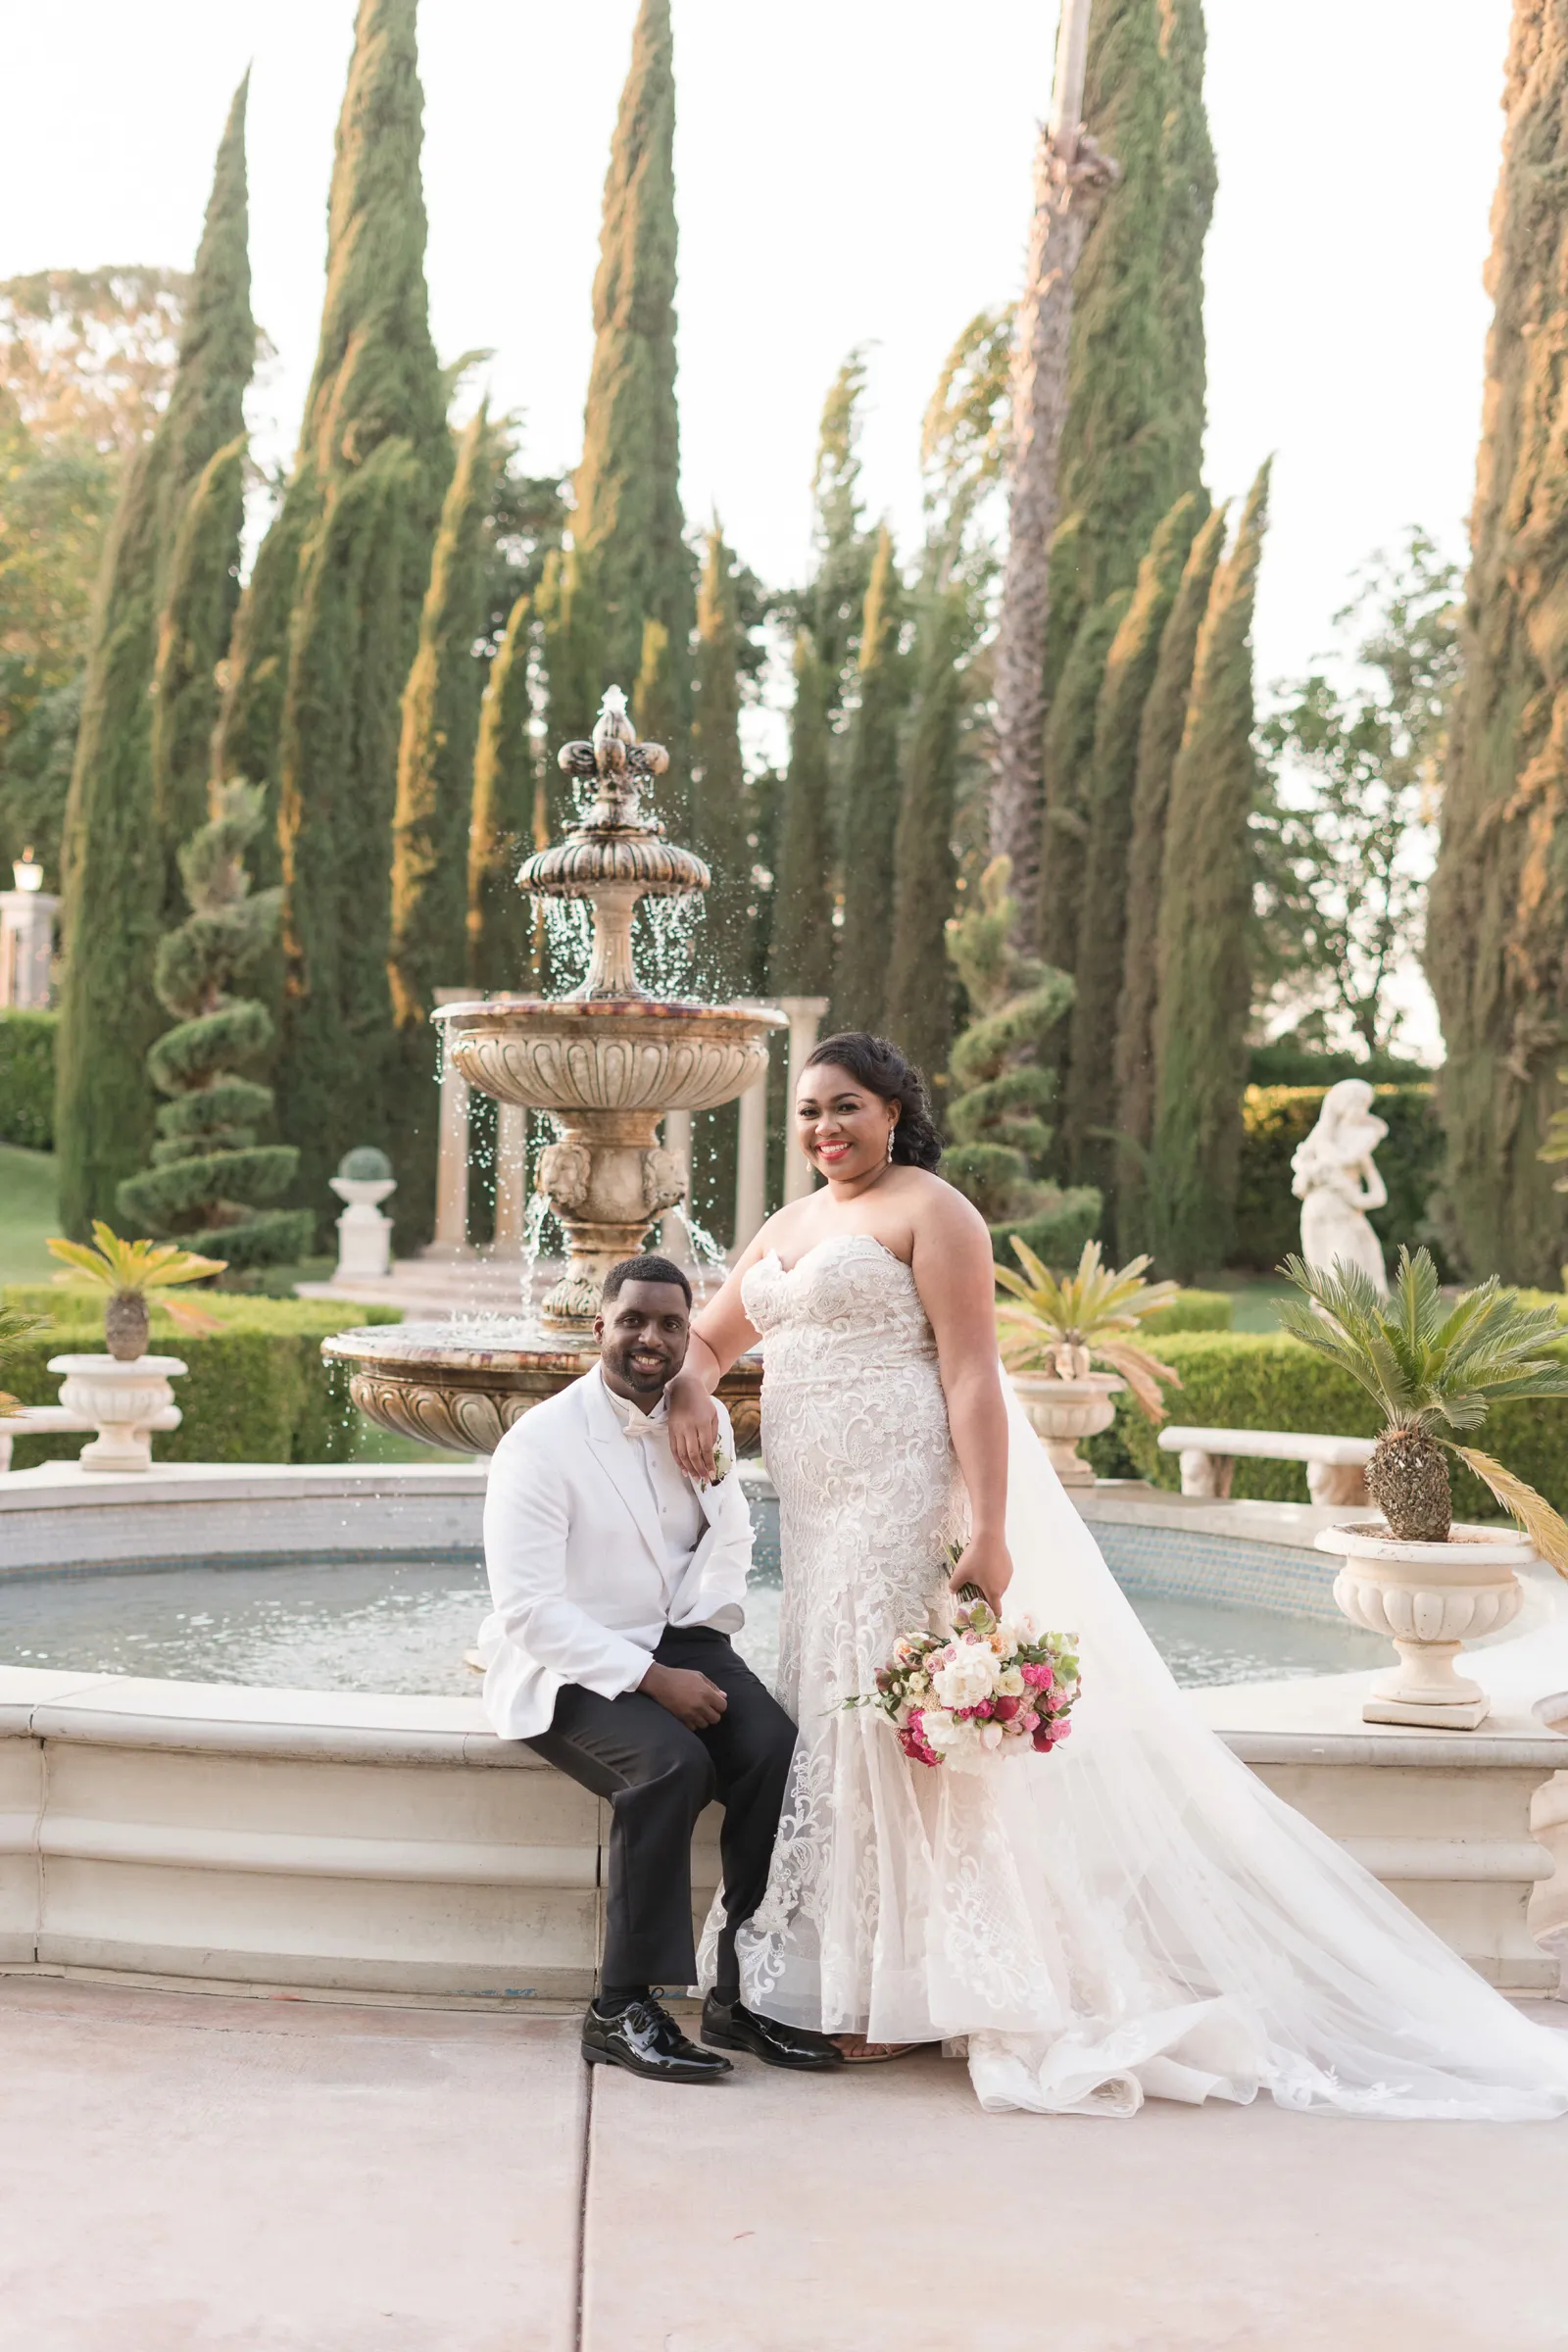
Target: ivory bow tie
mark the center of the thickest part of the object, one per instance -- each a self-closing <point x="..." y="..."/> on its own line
<point x="642" y="1424"/>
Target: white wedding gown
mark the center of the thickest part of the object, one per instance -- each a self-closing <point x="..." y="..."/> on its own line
<point x="1134" y="1915"/>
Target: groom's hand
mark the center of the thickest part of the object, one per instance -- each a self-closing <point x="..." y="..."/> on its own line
<point x="689" y="1695"/>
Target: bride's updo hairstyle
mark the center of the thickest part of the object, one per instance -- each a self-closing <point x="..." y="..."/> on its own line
<point x="876" y="1064"/>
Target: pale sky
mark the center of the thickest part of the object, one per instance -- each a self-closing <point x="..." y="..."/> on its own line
<point x="848" y="172"/>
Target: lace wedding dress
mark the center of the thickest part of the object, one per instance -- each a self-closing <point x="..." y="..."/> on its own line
<point x="1134" y="1915"/>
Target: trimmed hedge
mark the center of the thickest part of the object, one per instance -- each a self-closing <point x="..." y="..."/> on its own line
<point x="28" y="1079"/>
<point x="1275" y="1119"/>
<point x="254" y="1392"/>
<point x="1194" y="1311"/>
<point x="1256" y="1380"/>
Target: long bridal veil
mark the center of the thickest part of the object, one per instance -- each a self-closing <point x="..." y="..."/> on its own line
<point x="1211" y="1942"/>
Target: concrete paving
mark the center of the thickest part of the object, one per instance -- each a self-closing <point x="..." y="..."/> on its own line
<point x="187" y="2174"/>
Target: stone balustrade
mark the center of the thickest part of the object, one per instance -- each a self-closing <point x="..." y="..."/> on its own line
<point x="1336" y="1467"/>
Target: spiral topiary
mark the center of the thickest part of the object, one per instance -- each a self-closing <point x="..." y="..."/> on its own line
<point x="209" y="1174"/>
<point x="998" y="1096"/>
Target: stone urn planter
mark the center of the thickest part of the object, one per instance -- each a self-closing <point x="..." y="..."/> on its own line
<point x="123" y="1402"/>
<point x="1429" y="1598"/>
<point x="1061" y="1412"/>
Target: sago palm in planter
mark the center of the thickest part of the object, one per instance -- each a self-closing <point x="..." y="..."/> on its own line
<point x="137" y="1275"/>
<point x="1054" y="1329"/>
<point x="1435" y="1368"/>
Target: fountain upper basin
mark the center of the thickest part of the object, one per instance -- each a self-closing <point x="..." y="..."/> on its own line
<point x="639" y="1054"/>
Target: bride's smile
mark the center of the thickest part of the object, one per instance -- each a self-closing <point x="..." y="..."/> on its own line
<point x="845" y="1131"/>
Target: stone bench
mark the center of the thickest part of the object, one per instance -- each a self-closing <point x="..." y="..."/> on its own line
<point x="36" y="1421"/>
<point x="1336" y="1467"/>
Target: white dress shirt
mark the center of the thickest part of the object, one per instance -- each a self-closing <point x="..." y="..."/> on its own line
<point x="673" y="1496"/>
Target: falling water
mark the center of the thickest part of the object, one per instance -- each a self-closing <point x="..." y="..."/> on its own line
<point x="568" y="937"/>
<point x="665" y="943"/>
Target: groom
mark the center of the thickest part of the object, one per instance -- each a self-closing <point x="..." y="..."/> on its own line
<point x="616" y="1584"/>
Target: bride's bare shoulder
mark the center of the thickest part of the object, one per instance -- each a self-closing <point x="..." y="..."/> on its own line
<point x="938" y="1211"/>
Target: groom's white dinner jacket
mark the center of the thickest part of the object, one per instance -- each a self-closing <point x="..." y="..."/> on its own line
<point x="579" y="1565"/>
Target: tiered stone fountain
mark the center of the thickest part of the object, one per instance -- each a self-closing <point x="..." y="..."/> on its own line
<point x="607" y="1062"/>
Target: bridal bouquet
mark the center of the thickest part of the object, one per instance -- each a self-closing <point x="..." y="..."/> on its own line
<point x="986" y="1689"/>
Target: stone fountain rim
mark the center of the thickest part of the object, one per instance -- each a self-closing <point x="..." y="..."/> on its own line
<point x="572" y="1009"/>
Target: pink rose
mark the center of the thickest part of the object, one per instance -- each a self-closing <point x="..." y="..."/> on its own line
<point x="1039" y="1678"/>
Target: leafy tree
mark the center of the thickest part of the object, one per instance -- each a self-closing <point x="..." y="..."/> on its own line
<point x="89" y="356"/>
<point x="1344" y="834"/>
<point x="1205" y="921"/>
<point x="115" y="856"/>
<point x="209" y="1175"/>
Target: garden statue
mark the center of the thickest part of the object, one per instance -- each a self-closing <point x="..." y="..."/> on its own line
<point x="1336" y="1182"/>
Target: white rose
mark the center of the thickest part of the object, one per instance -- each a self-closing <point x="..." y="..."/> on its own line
<point x="991" y="1736"/>
<point x="970" y="1678"/>
<point x="939" y="1728"/>
<point x="1011" y="1684"/>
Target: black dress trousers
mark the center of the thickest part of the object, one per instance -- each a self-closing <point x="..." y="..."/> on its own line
<point x="657" y="1777"/>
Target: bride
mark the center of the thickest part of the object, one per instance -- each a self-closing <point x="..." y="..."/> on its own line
<point x="1136" y="1915"/>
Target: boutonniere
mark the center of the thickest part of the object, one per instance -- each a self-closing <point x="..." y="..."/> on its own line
<point x="724" y="1464"/>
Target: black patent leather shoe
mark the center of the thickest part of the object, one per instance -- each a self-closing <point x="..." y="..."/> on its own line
<point x="646" y="2040"/>
<point x="727" y="2026"/>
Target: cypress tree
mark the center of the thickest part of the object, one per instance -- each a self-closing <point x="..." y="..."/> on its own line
<point x="375" y="461"/>
<point x="507" y="821"/>
<point x="1160" y="728"/>
<point x="209" y="1175"/>
<point x="627" y="528"/>
<point x="1498" y="926"/>
<point x="1130" y="665"/>
<point x="919" y="989"/>
<point x="721" y="812"/>
<point x="1205" y="911"/>
<point x="658" y="714"/>
<point x="193" y="634"/>
<point x="1069" y="760"/>
<point x="834" y="604"/>
<point x="575" y="669"/>
<point x="800" y="957"/>
<point x="433" y="811"/>
<point x="871" y="794"/>
<point x="1132" y="441"/>
<point x="115" y="856"/>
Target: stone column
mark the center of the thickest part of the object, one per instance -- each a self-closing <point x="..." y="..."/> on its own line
<point x="27" y="939"/>
<point x="805" y="1015"/>
<point x="751" y="1161"/>
<point x="674" y="1238"/>
<point x="452" y="1169"/>
<point x="512" y="1174"/>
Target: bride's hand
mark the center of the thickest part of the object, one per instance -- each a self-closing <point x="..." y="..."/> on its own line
<point x="987" y="1564"/>
<point x="692" y="1425"/>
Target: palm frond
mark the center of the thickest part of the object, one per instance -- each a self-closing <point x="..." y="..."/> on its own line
<point x="1143" y="1374"/>
<point x="1546" y="1529"/>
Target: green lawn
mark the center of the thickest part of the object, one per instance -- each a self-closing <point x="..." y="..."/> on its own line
<point x="28" y="1214"/>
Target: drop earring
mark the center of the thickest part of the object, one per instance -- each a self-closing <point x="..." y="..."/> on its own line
<point x="890" y="1142"/>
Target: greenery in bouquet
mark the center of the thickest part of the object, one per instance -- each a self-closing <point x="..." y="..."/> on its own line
<point x="1064" y="1324"/>
<point x="988" y="1689"/>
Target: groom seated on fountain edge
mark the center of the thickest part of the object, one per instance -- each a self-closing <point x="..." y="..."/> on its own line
<point x="617" y="1583"/>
